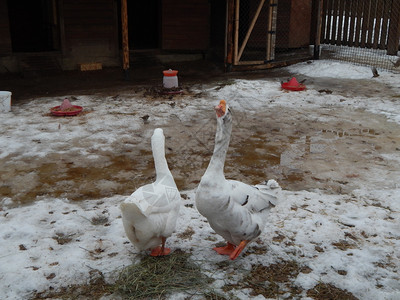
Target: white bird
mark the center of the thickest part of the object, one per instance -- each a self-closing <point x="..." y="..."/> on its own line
<point x="149" y="215"/>
<point x="235" y="210"/>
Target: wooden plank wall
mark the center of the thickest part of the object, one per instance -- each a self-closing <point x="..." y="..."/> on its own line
<point x="293" y="23"/>
<point x="185" y="24"/>
<point x="361" y="23"/>
<point x="5" y="38"/>
<point x="86" y="24"/>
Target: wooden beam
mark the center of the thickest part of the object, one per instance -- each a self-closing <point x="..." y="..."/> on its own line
<point x="253" y="22"/>
<point x="271" y="30"/>
<point x="246" y="67"/>
<point x="236" y="39"/>
<point x="230" y="17"/>
<point x="319" y="15"/>
<point x="125" y="39"/>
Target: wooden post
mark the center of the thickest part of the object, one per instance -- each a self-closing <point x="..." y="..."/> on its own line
<point x="229" y="33"/>
<point x="236" y="40"/>
<point x="317" y="41"/>
<point x="271" y="30"/>
<point x="125" y="39"/>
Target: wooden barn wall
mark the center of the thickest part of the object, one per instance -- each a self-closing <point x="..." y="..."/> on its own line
<point x="185" y="24"/>
<point x="293" y="23"/>
<point x="89" y="30"/>
<point x="5" y="39"/>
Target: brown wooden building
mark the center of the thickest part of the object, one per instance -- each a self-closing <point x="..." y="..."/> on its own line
<point x="62" y="34"/>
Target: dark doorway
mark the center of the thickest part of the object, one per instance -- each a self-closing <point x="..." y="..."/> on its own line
<point x="144" y="24"/>
<point x="34" y="25"/>
<point x="217" y="28"/>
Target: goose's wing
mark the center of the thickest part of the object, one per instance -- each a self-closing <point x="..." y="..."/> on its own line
<point x="255" y="198"/>
<point x="154" y="197"/>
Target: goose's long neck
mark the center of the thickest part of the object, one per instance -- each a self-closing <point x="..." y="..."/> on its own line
<point x="160" y="162"/>
<point x="222" y="138"/>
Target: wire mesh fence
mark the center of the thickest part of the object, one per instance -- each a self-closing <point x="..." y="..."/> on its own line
<point x="361" y="56"/>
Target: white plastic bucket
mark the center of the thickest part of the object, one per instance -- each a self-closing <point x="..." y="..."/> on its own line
<point x="170" y="79"/>
<point x="5" y="101"/>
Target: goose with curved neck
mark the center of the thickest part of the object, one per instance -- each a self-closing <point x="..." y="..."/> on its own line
<point x="234" y="210"/>
<point x="149" y="215"/>
<point x="222" y="138"/>
<point x="158" y="149"/>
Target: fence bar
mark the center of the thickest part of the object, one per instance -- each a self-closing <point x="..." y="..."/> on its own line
<point x="347" y="18"/>
<point x="378" y="23"/>
<point x="371" y="20"/>
<point x="353" y="18"/>
<point x="340" y="32"/>
<point x="385" y="22"/>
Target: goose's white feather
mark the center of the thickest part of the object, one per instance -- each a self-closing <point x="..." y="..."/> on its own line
<point x="235" y="210"/>
<point x="150" y="213"/>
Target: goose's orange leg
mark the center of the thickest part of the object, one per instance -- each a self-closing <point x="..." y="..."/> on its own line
<point x="235" y="253"/>
<point x="226" y="250"/>
<point x="161" y="251"/>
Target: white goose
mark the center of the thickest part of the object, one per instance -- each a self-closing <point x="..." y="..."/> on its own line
<point x="235" y="210"/>
<point x="149" y="215"/>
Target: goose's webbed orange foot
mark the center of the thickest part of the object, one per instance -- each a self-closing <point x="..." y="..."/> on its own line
<point x="235" y="253"/>
<point x="225" y="250"/>
<point x="160" y="251"/>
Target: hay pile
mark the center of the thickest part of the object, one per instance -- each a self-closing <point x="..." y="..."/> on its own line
<point x="155" y="277"/>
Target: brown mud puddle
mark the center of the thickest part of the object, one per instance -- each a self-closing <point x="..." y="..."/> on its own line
<point x="342" y="151"/>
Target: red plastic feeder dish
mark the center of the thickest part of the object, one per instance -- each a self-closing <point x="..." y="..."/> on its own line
<point x="293" y="85"/>
<point x="66" y="109"/>
<point x="72" y="111"/>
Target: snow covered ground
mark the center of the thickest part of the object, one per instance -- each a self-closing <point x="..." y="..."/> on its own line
<point x="350" y="239"/>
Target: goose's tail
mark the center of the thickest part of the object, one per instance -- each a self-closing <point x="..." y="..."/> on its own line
<point x="271" y="188"/>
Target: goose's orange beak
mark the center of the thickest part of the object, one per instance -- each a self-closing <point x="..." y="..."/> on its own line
<point x="220" y="109"/>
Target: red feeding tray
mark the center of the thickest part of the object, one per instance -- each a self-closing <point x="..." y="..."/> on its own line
<point x="73" y="111"/>
<point x="293" y="85"/>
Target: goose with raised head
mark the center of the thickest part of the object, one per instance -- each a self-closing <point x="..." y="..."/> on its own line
<point x="236" y="211"/>
<point x="149" y="215"/>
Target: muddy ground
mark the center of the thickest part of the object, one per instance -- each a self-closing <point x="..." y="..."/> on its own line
<point x="338" y="154"/>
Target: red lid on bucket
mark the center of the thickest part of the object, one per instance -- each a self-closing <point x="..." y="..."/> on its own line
<point x="170" y="73"/>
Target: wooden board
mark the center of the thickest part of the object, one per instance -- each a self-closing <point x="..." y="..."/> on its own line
<point x="185" y="24"/>
<point x="90" y="66"/>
